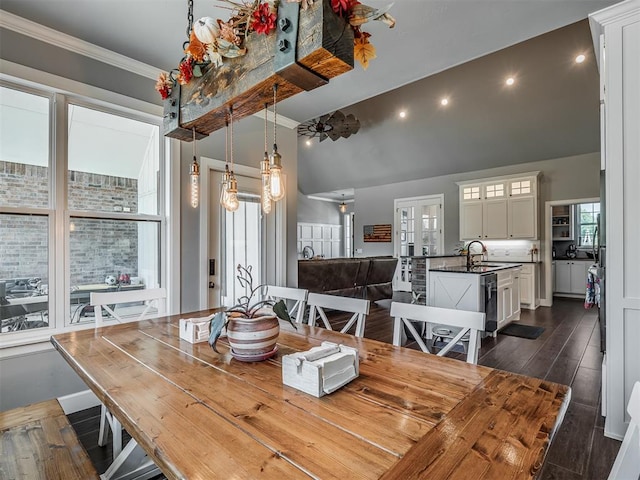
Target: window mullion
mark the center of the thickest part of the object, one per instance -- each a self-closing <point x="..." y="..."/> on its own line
<point x="59" y="236"/>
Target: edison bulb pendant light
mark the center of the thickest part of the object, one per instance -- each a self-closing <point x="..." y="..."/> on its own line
<point x="265" y="193"/>
<point x="276" y="179"/>
<point x="195" y="183"/>
<point x="223" y="187"/>
<point x="232" y="203"/>
<point x="194" y="174"/>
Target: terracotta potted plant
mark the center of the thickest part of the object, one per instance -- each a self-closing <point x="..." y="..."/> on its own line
<point x="252" y="326"/>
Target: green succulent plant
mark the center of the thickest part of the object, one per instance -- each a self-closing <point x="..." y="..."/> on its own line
<point x="247" y="307"/>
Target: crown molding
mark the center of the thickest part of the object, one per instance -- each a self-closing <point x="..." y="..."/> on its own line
<point x="282" y="120"/>
<point x="62" y="40"/>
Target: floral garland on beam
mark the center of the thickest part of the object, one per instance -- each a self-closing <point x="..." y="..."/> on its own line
<point x="211" y="40"/>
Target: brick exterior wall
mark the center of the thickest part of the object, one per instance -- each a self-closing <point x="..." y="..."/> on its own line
<point x="23" y="247"/>
<point x="23" y="185"/>
<point x="102" y="193"/>
<point x="102" y="247"/>
<point x="97" y="247"/>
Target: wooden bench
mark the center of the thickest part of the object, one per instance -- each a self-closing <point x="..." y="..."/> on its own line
<point x="38" y="442"/>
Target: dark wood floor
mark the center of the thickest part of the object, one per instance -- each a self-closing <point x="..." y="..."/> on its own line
<point x="568" y="352"/>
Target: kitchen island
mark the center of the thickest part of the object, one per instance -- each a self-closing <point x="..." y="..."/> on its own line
<point x="490" y="288"/>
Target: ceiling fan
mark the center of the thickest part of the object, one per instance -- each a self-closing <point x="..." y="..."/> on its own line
<point x="332" y="125"/>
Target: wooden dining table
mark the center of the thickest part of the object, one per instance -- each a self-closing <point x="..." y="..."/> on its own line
<point x="204" y="415"/>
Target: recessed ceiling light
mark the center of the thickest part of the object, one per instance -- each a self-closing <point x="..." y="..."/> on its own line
<point x="308" y="142"/>
<point x="580" y="58"/>
<point x="402" y="114"/>
<point x="444" y="101"/>
<point x="510" y="81"/>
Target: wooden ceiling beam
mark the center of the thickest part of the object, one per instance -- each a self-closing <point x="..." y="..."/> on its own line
<point x="315" y="46"/>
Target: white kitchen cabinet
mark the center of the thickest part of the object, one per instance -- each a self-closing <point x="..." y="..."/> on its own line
<point x="508" y="296"/>
<point x="579" y="277"/>
<point x="471" y="220"/>
<point x="500" y="208"/>
<point x="563" y="276"/>
<point x="515" y="295"/>
<point x="571" y="276"/>
<point x="494" y="219"/>
<point x="529" y="286"/>
<point x="523" y="217"/>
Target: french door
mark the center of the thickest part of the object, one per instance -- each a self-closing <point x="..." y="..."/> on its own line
<point x="418" y="232"/>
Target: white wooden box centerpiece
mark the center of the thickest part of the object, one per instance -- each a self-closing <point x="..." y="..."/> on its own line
<point x="195" y="330"/>
<point x="321" y="370"/>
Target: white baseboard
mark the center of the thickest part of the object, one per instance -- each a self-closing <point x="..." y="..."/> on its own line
<point x="76" y="402"/>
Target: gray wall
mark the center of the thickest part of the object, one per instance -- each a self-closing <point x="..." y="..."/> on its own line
<point x="562" y="178"/>
<point x="318" y="211"/>
<point x="35" y="377"/>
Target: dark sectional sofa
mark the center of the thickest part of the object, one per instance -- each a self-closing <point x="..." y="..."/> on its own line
<point x="367" y="277"/>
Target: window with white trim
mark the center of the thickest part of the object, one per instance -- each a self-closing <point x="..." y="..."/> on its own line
<point x="84" y="216"/>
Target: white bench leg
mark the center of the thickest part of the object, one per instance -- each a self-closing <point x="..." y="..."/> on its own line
<point x="132" y="464"/>
<point x="108" y="421"/>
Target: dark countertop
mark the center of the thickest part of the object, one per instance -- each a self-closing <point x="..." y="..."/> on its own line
<point x="432" y="256"/>
<point x="478" y="269"/>
<point x="581" y="259"/>
<point x="519" y="262"/>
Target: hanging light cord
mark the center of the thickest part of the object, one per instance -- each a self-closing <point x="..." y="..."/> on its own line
<point x="265" y="128"/>
<point x="226" y="143"/>
<point x="231" y="149"/>
<point x="194" y="143"/>
<point x="275" y="116"/>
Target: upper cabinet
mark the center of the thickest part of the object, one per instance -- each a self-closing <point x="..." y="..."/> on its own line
<point x="499" y="208"/>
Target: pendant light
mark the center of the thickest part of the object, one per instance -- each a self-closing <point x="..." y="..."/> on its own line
<point x="343" y="206"/>
<point x="265" y="190"/>
<point x="275" y="169"/>
<point x="194" y="174"/>
<point x="232" y="203"/>
<point x="225" y="176"/>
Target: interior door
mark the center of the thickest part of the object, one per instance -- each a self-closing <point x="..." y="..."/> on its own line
<point x="235" y="238"/>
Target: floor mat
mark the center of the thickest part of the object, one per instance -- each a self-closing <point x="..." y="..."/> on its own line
<point x="523" y="331"/>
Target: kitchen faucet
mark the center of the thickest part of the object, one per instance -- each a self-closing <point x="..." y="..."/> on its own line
<point x="469" y="260"/>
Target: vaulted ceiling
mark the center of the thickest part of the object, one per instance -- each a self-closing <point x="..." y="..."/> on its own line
<point x="463" y="49"/>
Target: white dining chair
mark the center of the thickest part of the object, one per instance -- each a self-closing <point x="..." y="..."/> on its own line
<point x="108" y="301"/>
<point x="358" y="307"/>
<point x="462" y="323"/>
<point x="295" y="296"/>
<point x="627" y="463"/>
